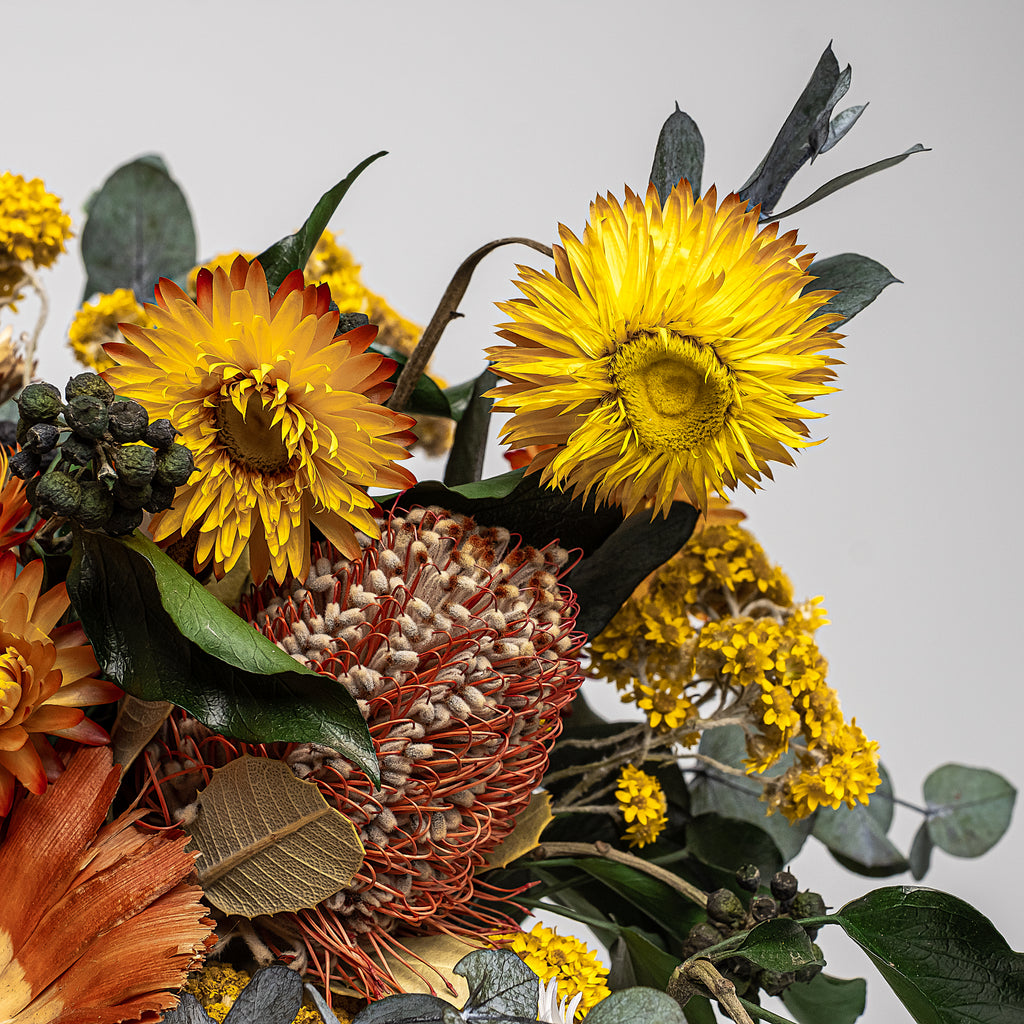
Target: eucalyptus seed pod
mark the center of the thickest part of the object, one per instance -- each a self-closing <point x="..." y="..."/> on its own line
<point x="24" y="464"/>
<point x="773" y="983"/>
<point x="91" y="384"/>
<point x="96" y="506"/>
<point x="807" y="904"/>
<point x="39" y="403"/>
<point x="59" y="492"/>
<point x="174" y="466"/>
<point x="160" y="434"/>
<point x="725" y="906"/>
<point x="135" y="464"/>
<point x="161" y="498"/>
<point x="87" y="416"/>
<point x="123" y="520"/>
<point x="783" y="885"/>
<point x="77" y="450"/>
<point x="129" y="422"/>
<point x="701" y="936"/>
<point x="748" y="877"/>
<point x="41" y="438"/>
<point x="763" y="908"/>
<point x="132" y="497"/>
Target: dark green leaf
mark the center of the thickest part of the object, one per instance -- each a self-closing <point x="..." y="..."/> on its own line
<point x="292" y="251"/>
<point x="427" y="399"/>
<point x="840" y="125"/>
<point x="538" y="514"/>
<point x="409" y="1009"/>
<point x="188" y="1011"/>
<point x="273" y="996"/>
<point x="732" y="797"/>
<point x="678" y="155"/>
<point x="458" y="396"/>
<point x="969" y="809"/>
<point x="161" y="636"/>
<point x="824" y="998"/>
<point x="780" y="945"/>
<point x="802" y="135"/>
<point x="637" y="1004"/>
<point x="653" y="966"/>
<point x="729" y="844"/>
<point x="858" y="279"/>
<point x="849" y="177"/>
<point x="466" y="459"/>
<point x="920" y="856"/>
<point x="698" y="1010"/>
<point x="758" y="1012"/>
<point x="620" y="966"/>
<point x="139" y="229"/>
<point x="604" y="580"/>
<point x="945" y="960"/>
<point x="500" y="984"/>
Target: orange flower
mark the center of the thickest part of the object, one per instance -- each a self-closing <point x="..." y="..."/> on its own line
<point x="96" y="924"/>
<point x="46" y="678"/>
<point x="14" y="506"/>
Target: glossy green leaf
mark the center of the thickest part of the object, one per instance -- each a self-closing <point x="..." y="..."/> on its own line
<point x="458" y="396"/>
<point x="466" y="458"/>
<point x="729" y="844"/>
<point x="849" y="177"/>
<point x="780" y="945"/>
<point x="730" y="796"/>
<point x="652" y="965"/>
<point x="678" y="155"/>
<point x="969" y="809"/>
<point x="427" y="399"/>
<point x="698" y="1010"/>
<point x="944" y="959"/>
<point x="637" y="1004"/>
<point x="139" y="229"/>
<point x="858" y="279"/>
<point x="605" y="579"/>
<point x="824" y="998"/>
<point x="920" y="856"/>
<point x="292" y="251"/>
<point x="161" y="636"/>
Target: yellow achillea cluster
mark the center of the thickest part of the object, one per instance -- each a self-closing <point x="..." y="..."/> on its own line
<point x="33" y="227"/>
<point x="713" y="634"/>
<point x="96" y="323"/>
<point x="643" y="805"/>
<point x="563" y="958"/>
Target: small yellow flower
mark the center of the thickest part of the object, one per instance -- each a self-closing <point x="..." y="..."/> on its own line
<point x="33" y="227"/>
<point x="643" y="806"/>
<point x="667" y="706"/>
<point x="95" y="324"/>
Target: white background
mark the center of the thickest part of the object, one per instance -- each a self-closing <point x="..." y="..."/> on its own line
<point x="505" y="119"/>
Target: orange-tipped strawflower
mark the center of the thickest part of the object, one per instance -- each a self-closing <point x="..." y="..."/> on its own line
<point x="97" y="925"/>
<point x="285" y="420"/>
<point x="671" y="347"/>
<point x="458" y="645"/>
<point x="46" y="678"/>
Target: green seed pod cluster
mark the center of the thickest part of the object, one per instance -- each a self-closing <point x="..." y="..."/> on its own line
<point x="109" y="464"/>
<point x="732" y="911"/>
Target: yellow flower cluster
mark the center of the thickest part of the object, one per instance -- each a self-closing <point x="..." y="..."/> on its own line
<point x="562" y="957"/>
<point x="33" y="227"/>
<point x="217" y="987"/>
<point x="96" y="323"/>
<point x="643" y="805"/>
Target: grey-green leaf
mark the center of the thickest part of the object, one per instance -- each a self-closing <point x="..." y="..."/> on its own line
<point x="138" y="230"/>
<point x="824" y="998"/>
<point x="780" y="945"/>
<point x="969" y="809"/>
<point x="920" y="856"/>
<point x="858" y="279"/>
<point x="679" y="155"/>
<point x="500" y="984"/>
<point x="943" y="959"/>
<point x="273" y="996"/>
<point x="188" y="1011"/>
<point x="841" y="124"/>
<point x="409" y="1009"/>
<point x="633" y="1005"/>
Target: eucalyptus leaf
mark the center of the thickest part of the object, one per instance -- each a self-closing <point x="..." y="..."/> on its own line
<point x="188" y="1011"/>
<point x="729" y="844"/>
<point x="466" y="458"/>
<point x="858" y="279"/>
<point x="138" y="230"/>
<point x="679" y="155"/>
<point x="316" y="997"/>
<point x="780" y="945"/>
<point x="272" y="996"/>
<point x="824" y="998"/>
<point x="840" y="125"/>
<point x="162" y="637"/>
<point x="969" y="809"/>
<point x="637" y="1004"/>
<point x="293" y="251"/>
<point x="920" y="856"/>
<point x="605" y="579"/>
<point x="500" y="984"/>
<point x="943" y="959"/>
<point x="409" y="1009"/>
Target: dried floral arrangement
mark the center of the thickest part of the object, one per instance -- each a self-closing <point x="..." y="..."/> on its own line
<point x="288" y="735"/>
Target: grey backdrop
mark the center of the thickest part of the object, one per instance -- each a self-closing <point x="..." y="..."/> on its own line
<point x="506" y="119"/>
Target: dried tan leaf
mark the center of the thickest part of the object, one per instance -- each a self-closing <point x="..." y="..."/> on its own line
<point x="270" y="842"/>
<point x="526" y="834"/>
<point x="136" y="724"/>
<point x="429" y="967"/>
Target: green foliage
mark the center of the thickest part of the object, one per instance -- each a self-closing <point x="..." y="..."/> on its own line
<point x="969" y="809"/>
<point x="678" y="155"/>
<point x="858" y="279"/>
<point x="161" y="636"/>
<point x="780" y="945"/>
<point x="272" y="996"/>
<point x="138" y="230"/>
<point x="427" y="399"/>
<point x="466" y="459"/>
<point x="824" y="998"/>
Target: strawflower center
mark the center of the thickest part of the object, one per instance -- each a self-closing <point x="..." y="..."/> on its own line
<point x="250" y="437"/>
<point x="11" y="667"/>
<point x="675" y="391"/>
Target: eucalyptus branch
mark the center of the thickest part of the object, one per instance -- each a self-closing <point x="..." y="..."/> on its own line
<point x="726" y="769"/>
<point x="602" y="741"/>
<point x="447" y="310"/>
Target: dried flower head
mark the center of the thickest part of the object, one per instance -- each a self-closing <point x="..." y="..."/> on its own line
<point x="33" y="227"/>
<point x="95" y="324"/>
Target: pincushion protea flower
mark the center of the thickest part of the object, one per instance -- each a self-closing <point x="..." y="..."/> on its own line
<point x="285" y="420"/>
<point x="46" y="678"/>
<point x="459" y="647"/>
<point x="671" y="347"/>
<point x="97" y="925"/>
